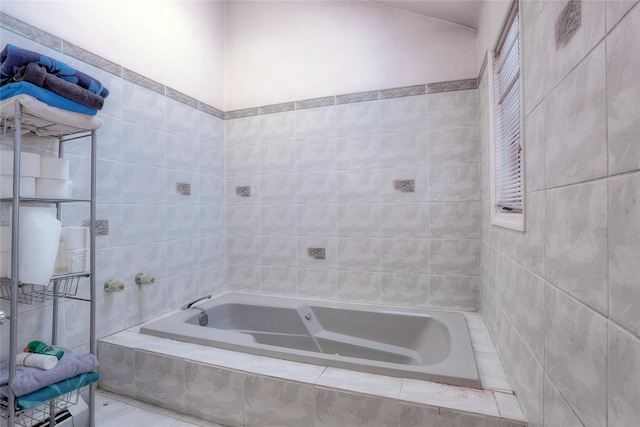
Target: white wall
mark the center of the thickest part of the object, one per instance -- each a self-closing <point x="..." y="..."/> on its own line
<point x="278" y="51"/>
<point x="177" y="43"/>
<point x="275" y="51"/>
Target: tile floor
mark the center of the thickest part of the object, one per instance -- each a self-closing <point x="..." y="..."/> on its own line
<point x="113" y="410"/>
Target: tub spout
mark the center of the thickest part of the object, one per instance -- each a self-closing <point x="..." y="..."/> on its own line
<point x="188" y="305"/>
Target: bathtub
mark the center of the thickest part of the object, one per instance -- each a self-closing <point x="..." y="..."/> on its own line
<point x="408" y="343"/>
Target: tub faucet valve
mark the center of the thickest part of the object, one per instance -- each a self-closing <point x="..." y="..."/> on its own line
<point x="145" y="279"/>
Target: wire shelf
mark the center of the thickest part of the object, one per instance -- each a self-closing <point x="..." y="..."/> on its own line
<point x="62" y="286"/>
<point x="33" y="417"/>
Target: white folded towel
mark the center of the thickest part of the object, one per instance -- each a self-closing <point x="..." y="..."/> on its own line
<point x="36" y="360"/>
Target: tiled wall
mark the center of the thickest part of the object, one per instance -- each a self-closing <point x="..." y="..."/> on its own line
<point x="386" y="182"/>
<point x="152" y="139"/>
<point x="562" y="299"/>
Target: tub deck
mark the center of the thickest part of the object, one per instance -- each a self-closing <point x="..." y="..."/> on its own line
<point x="256" y="390"/>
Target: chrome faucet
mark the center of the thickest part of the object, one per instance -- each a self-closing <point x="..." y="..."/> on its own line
<point x="203" y="318"/>
<point x="188" y="305"/>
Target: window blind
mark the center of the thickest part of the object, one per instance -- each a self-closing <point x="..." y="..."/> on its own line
<point x="506" y="66"/>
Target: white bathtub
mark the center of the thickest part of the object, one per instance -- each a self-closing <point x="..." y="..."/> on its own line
<point x="409" y="343"/>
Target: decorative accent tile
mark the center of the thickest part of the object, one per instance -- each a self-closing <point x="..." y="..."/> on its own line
<point x="277" y="108"/>
<point x="357" y="97"/>
<point x="91" y="58"/>
<point x="143" y="81"/>
<point x="315" y="102"/>
<point x="403" y="91"/>
<point x="243" y="191"/>
<point x="316" y="253"/>
<point x="404" y="185"/>
<point x="247" y="112"/>
<point x="181" y="97"/>
<point x="568" y="23"/>
<point x="102" y="226"/>
<point x="453" y="85"/>
<point x="183" y="188"/>
<point x="32" y="33"/>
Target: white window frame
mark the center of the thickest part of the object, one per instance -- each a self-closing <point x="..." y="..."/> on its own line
<point x="512" y="220"/>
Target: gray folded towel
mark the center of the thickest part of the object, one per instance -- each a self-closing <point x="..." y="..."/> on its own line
<point x="37" y="75"/>
<point x="29" y="379"/>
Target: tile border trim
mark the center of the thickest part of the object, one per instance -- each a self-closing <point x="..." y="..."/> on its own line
<point x="83" y="55"/>
<point x="451" y="86"/>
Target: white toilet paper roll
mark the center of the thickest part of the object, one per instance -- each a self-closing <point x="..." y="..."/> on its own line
<point x="38" y="245"/>
<point x="35" y="360"/>
<point x="54" y="188"/>
<point x="27" y="186"/>
<point x="29" y="164"/>
<point x="78" y="260"/>
<point x="76" y="237"/>
<point x="54" y="168"/>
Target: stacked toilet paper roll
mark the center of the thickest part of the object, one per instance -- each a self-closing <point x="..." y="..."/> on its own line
<point x="29" y="163"/>
<point x="29" y="173"/>
<point x="76" y="240"/>
<point x="38" y="244"/>
<point x="54" y="178"/>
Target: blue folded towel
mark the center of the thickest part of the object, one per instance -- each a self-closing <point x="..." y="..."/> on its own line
<point x="56" y="390"/>
<point x="44" y="95"/>
<point x="28" y="380"/>
<point x="37" y="75"/>
<point x="13" y="57"/>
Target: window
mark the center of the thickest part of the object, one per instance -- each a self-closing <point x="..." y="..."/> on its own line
<point x="507" y="156"/>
